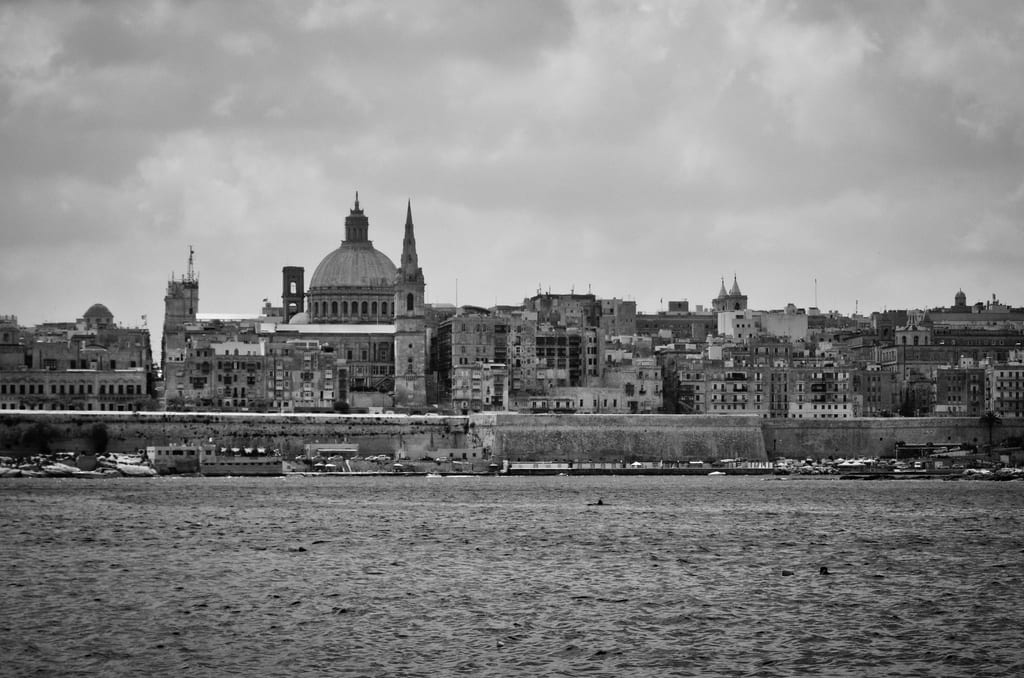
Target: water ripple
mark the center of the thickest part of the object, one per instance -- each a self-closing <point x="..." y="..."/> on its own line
<point x="510" y="576"/>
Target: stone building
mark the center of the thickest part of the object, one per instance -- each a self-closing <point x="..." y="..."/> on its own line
<point x="91" y="364"/>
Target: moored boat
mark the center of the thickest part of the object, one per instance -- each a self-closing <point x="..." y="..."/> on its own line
<point x="240" y="463"/>
<point x="135" y="470"/>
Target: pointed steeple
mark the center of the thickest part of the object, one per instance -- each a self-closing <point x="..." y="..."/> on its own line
<point x="722" y="292"/>
<point x="735" y="291"/>
<point x="410" y="269"/>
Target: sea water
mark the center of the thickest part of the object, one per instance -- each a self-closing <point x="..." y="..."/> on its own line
<point x="506" y="576"/>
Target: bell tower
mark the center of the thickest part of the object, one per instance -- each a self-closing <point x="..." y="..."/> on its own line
<point x="181" y="303"/>
<point x="410" y="333"/>
<point x="293" y="294"/>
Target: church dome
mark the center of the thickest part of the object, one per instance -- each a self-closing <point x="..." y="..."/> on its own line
<point x="356" y="263"/>
<point x="98" y="317"/>
<point x="98" y="312"/>
<point x="299" y="319"/>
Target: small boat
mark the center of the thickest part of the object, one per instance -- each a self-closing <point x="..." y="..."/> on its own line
<point x="717" y="473"/>
<point x="59" y="470"/>
<point x="434" y="475"/>
<point x="136" y="470"/>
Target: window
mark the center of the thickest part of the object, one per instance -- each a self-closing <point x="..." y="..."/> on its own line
<point x="410" y="304"/>
<point x="334" y="308"/>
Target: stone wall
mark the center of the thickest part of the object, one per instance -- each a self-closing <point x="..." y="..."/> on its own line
<point x="510" y="436"/>
<point x="602" y="437"/>
<point x="128" y="432"/>
<point x="876" y="437"/>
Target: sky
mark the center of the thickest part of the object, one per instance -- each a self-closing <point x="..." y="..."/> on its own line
<point x="855" y="156"/>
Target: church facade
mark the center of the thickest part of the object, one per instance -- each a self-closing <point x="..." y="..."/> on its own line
<point x="356" y="338"/>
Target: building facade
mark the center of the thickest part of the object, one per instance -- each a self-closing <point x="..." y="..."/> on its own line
<point x="91" y="364"/>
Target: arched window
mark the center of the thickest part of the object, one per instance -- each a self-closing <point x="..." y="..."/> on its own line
<point x="292" y="288"/>
<point x="410" y="302"/>
<point x="316" y="309"/>
<point x="344" y="308"/>
<point x="334" y="308"/>
<point x="383" y="308"/>
<point x="364" y="308"/>
<point x="373" y="308"/>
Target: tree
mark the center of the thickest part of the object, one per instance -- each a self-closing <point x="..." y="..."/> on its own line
<point x="99" y="438"/>
<point x="990" y="420"/>
<point x="38" y="436"/>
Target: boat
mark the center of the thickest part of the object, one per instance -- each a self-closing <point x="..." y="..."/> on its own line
<point x="211" y="460"/>
<point x="238" y="462"/>
<point x="717" y="473"/>
<point x="172" y="459"/>
<point x="434" y="475"/>
<point x="59" y="470"/>
<point x="135" y="470"/>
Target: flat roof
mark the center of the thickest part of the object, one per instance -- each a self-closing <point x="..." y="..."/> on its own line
<point x="281" y="328"/>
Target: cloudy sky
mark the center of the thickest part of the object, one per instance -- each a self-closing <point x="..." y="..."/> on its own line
<point x="863" y="155"/>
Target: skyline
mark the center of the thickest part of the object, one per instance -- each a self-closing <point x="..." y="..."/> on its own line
<point x="866" y="156"/>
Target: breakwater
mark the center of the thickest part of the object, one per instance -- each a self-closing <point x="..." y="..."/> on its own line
<point x="501" y="436"/>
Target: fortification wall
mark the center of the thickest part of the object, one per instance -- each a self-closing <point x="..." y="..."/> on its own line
<point x="875" y="437"/>
<point x="71" y="431"/>
<point x="601" y="437"/>
<point x="510" y="436"/>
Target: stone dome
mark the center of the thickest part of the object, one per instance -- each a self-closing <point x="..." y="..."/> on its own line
<point x="354" y="264"/>
<point x="98" y="312"/>
<point x="299" y="319"/>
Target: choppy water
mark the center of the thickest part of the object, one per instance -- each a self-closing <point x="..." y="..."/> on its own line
<point x="511" y="576"/>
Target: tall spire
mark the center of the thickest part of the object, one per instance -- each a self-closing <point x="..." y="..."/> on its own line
<point x="410" y="260"/>
<point x="722" y="292"/>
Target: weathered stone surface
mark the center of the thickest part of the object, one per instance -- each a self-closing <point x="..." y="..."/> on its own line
<point x="624" y="437"/>
<point x="512" y="436"/>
